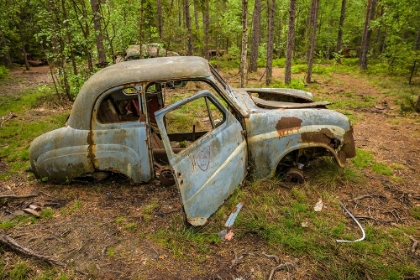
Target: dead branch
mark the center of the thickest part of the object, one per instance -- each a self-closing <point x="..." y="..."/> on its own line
<point x="18" y="196"/>
<point x="286" y="265"/>
<point x="275" y="257"/>
<point x="238" y="259"/>
<point x="5" y="119"/>
<point x="367" y="196"/>
<point x="415" y="243"/>
<point x="7" y="240"/>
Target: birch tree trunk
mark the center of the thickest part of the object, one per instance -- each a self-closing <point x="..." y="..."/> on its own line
<point x="188" y="26"/>
<point x="98" y="32"/>
<point x="256" y="35"/>
<point x="271" y="6"/>
<point x="243" y="67"/>
<point x="314" y="17"/>
<point x="206" y="26"/>
<point x="367" y="32"/>
<point x="290" y="42"/>
<point x="159" y="18"/>
<point x="340" y="29"/>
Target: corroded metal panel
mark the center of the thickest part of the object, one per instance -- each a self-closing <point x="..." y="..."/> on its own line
<point x="123" y="148"/>
<point x="280" y="93"/>
<point x="61" y="154"/>
<point x="274" y="133"/>
<point x="288" y="105"/>
<point x="209" y="170"/>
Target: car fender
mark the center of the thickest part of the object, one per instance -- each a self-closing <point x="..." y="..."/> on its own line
<point x="63" y="164"/>
<point x="272" y="134"/>
<point x="117" y="158"/>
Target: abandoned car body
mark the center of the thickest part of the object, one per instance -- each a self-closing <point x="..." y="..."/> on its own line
<point x="178" y="112"/>
<point x="148" y="51"/>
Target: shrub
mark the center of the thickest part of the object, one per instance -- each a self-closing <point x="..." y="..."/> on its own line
<point x="3" y="72"/>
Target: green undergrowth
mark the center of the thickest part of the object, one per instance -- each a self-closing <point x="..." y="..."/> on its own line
<point x="22" y="125"/>
<point x="285" y="222"/>
<point x="365" y="158"/>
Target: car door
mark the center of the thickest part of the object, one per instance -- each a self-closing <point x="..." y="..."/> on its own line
<point x="209" y="159"/>
<point x="120" y="134"/>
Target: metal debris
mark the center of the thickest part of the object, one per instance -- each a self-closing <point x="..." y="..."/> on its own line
<point x="357" y="222"/>
<point x="233" y="215"/>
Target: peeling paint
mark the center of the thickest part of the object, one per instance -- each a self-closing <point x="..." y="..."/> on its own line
<point x="288" y="125"/>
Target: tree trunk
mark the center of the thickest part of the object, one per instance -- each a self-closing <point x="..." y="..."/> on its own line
<point x="188" y="26"/>
<point x="290" y="42"/>
<point x="3" y="45"/>
<point x="367" y="32"/>
<point x="141" y="14"/>
<point x="256" y="35"/>
<point x="417" y="106"/>
<point x="197" y="24"/>
<point x="417" y="44"/>
<point x="206" y="26"/>
<point x="243" y="67"/>
<point x="69" y="38"/>
<point x="85" y="28"/>
<point x="340" y="29"/>
<point x="98" y="32"/>
<point x="313" y="28"/>
<point x="159" y="18"/>
<point x="271" y="6"/>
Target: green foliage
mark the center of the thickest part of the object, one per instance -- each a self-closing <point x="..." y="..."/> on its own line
<point x="363" y="158"/>
<point x="330" y="175"/>
<point x="16" y="134"/>
<point x="185" y="242"/>
<point x="382" y="168"/>
<point x="299" y="68"/>
<point x="20" y="271"/>
<point x="279" y="62"/>
<point x="318" y="69"/>
<point x="47" y="214"/>
<point x="7" y="224"/>
<point x="19" y="220"/>
<point x="296" y="83"/>
<point x="111" y="252"/>
<point x="415" y="212"/>
<point x="4" y="72"/>
<point x="75" y="207"/>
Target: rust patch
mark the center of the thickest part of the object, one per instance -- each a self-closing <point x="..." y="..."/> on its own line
<point x="323" y="136"/>
<point x="288" y="124"/>
<point x="92" y="149"/>
<point x="348" y="144"/>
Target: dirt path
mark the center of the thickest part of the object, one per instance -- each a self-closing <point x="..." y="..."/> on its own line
<point x="21" y="79"/>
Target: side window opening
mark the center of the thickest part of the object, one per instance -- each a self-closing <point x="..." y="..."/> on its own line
<point x="121" y="105"/>
<point x="189" y="122"/>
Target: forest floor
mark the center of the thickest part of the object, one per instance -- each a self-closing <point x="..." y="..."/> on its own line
<point x="114" y="230"/>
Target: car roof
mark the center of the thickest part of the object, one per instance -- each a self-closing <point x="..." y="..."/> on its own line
<point x="134" y="71"/>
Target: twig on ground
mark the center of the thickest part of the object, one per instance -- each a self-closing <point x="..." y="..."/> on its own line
<point x="275" y="257"/>
<point x="367" y="196"/>
<point x="286" y="265"/>
<point x="7" y="240"/>
<point x="415" y="243"/>
<point x="18" y="196"/>
<point x="9" y="117"/>
<point x="237" y="259"/>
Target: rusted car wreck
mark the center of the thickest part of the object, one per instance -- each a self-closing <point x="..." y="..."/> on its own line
<point x="178" y="112"/>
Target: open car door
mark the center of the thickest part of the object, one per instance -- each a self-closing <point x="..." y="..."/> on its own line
<point x="207" y="151"/>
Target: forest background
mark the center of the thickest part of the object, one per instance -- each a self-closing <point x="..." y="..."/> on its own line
<point x="364" y="55"/>
<point x="77" y="36"/>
